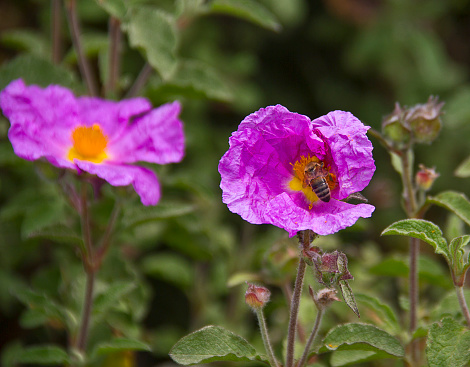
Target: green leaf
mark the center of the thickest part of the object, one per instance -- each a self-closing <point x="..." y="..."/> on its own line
<point x="34" y="70"/>
<point x="249" y="10"/>
<point x="111" y="297"/>
<point x="42" y="354"/>
<point x="153" y="32"/>
<point x="348" y="296"/>
<point x="360" y="343"/>
<point x="210" y="344"/>
<point x="455" y="202"/>
<point x="120" y="344"/>
<point x="41" y="304"/>
<point x="422" y="229"/>
<point x="391" y="267"/>
<point x="449" y="306"/>
<point x="448" y="344"/>
<point x="379" y="312"/>
<point x="140" y="214"/>
<point x="198" y="79"/>
<point x="24" y="40"/>
<point x="169" y="267"/>
<point x="115" y="8"/>
<point x="59" y="233"/>
<point x="463" y="170"/>
<point x="457" y="252"/>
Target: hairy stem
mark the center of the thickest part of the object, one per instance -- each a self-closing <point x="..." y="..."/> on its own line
<point x="139" y="83"/>
<point x="294" y="311"/>
<point x="56" y="16"/>
<point x="115" y="36"/>
<point x="83" y="64"/>
<point x="311" y="339"/>
<point x="88" y="262"/>
<point x="463" y="304"/>
<point x="264" y="334"/>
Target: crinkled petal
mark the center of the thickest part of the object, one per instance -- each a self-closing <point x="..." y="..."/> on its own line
<point x="40" y="119"/>
<point x="350" y="149"/>
<point x="143" y="180"/>
<point x="112" y="116"/>
<point x="257" y="169"/>
<point x="155" y="137"/>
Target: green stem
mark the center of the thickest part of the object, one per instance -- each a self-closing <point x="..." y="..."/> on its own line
<point x="294" y="311"/>
<point x="90" y="269"/>
<point x="311" y="339"/>
<point x="264" y="334"/>
<point x="463" y="304"/>
<point x="83" y="64"/>
<point x="115" y="36"/>
<point x="55" y="30"/>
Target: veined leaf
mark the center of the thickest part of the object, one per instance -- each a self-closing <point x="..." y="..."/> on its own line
<point x="154" y="33"/>
<point x="249" y="10"/>
<point x="118" y="345"/>
<point x="360" y="343"/>
<point x="456" y="202"/>
<point x="448" y="344"/>
<point x="210" y="344"/>
<point x="422" y="229"/>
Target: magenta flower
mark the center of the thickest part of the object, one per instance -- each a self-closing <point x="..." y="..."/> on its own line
<point x="94" y="135"/>
<point x="265" y="176"/>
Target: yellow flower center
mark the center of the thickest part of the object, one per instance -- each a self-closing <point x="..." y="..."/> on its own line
<point x="89" y="144"/>
<point x="299" y="181"/>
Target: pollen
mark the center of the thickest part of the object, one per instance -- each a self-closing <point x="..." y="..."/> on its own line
<point x="298" y="181"/>
<point x="89" y="144"/>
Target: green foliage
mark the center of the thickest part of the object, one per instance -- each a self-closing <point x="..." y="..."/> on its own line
<point x="447" y="344"/>
<point x="455" y="202"/>
<point x="355" y="343"/>
<point x="211" y="344"/>
<point x="39" y="354"/>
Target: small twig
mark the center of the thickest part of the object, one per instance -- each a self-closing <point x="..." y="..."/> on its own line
<point x="115" y="36"/>
<point x="311" y="339"/>
<point x="55" y="30"/>
<point x="88" y="262"/>
<point x="83" y="64"/>
<point x="264" y="334"/>
<point x="382" y="140"/>
<point x="141" y="80"/>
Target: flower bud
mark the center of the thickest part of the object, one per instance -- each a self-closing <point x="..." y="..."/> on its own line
<point x="395" y="128"/>
<point x="425" y="177"/>
<point x="424" y="120"/>
<point x="324" y="297"/>
<point x="257" y="297"/>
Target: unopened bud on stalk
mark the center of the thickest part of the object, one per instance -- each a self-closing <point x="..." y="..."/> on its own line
<point x="425" y="177"/>
<point x="395" y="128"/>
<point x="425" y="120"/>
<point x="256" y="297"/>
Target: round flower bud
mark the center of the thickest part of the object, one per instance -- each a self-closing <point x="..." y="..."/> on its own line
<point x="257" y="297"/>
<point x="425" y="121"/>
<point x="425" y="177"/>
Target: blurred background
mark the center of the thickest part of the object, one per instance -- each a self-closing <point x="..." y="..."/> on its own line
<point x="184" y="266"/>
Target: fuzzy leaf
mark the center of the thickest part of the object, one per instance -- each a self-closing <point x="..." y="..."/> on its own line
<point x="348" y="296"/>
<point x="456" y="249"/>
<point x="163" y="210"/>
<point x="111" y="297"/>
<point x="380" y="312"/>
<point x="247" y="9"/>
<point x="58" y="233"/>
<point x="154" y="33"/>
<point x="448" y="344"/>
<point x="42" y="354"/>
<point x="360" y="343"/>
<point x="463" y="170"/>
<point x="210" y="344"/>
<point x="422" y="229"/>
<point x="35" y="70"/>
<point x="120" y="344"/>
<point x="456" y="202"/>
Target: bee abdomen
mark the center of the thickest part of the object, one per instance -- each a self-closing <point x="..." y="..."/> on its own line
<point x="321" y="189"/>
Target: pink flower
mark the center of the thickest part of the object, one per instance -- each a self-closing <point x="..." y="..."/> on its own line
<point x="90" y="134"/>
<point x="264" y="177"/>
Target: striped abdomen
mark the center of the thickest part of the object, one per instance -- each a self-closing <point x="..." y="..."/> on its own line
<point x="320" y="188"/>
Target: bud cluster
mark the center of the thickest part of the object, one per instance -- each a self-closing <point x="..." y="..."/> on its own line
<point x="418" y="124"/>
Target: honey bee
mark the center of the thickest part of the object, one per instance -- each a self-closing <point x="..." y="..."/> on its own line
<point x="315" y="176"/>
